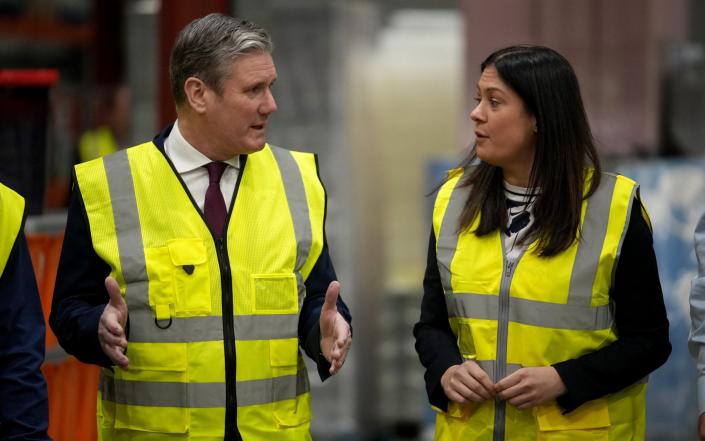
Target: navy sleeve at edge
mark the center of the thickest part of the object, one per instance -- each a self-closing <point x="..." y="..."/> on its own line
<point x="309" y="332"/>
<point x="316" y="286"/>
<point x="435" y="342"/>
<point x="79" y="294"/>
<point x="642" y="343"/>
<point x="23" y="393"/>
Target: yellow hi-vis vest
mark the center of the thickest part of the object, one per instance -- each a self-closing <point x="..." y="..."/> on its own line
<point x="212" y="324"/>
<point x="11" y="214"/>
<point x="96" y="143"/>
<point x="536" y="311"/>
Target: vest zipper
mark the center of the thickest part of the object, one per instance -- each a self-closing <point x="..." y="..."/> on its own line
<point x="231" y="431"/>
<point x="502" y="331"/>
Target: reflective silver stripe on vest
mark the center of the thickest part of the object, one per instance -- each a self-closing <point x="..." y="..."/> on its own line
<point x="270" y="390"/>
<point x="127" y="229"/>
<point x="210" y="328"/>
<point x="530" y="312"/>
<point x="447" y="240"/>
<point x="298" y="207"/>
<point x="203" y="395"/>
<point x="593" y="234"/>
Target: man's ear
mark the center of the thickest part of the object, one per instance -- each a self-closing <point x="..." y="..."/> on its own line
<point x="196" y="94"/>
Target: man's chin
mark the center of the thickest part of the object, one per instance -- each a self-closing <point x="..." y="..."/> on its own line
<point x="254" y="147"/>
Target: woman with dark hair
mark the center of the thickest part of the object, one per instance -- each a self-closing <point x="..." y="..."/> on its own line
<point x="542" y="312"/>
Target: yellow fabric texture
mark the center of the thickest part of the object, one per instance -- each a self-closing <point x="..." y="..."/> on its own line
<point x="476" y="268"/>
<point x="11" y="214"/>
<point x="261" y="249"/>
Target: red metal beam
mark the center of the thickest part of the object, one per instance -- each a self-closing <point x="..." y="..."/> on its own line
<point x="173" y="16"/>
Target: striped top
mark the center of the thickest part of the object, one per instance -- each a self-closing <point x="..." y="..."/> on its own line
<point x="520" y="204"/>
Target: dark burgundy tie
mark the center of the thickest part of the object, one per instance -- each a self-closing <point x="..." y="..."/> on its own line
<point x="214" y="206"/>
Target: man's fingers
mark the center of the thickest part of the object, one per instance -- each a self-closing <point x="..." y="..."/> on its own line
<point x="115" y="355"/>
<point x="338" y="357"/>
<point x="110" y="321"/>
<point x="335" y="366"/>
<point x="331" y="296"/>
<point x="111" y="332"/>
<point x="113" y="327"/>
<point x="336" y="362"/>
<point x="120" y="359"/>
<point x="111" y="339"/>
<point x="342" y="332"/>
<point x="340" y="354"/>
<point x="342" y="358"/>
<point x="114" y="292"/>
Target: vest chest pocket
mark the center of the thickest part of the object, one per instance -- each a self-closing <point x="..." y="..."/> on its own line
<point x="589" y="422"/>
<point x="275" y="294"/>
<point x="189" y="260"/>
<point x="179" y="279"/>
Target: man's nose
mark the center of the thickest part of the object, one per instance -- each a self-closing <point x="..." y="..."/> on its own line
<point x="269" y="105"/>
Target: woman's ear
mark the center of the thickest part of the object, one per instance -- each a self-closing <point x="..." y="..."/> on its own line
<point x="196" y="93"/>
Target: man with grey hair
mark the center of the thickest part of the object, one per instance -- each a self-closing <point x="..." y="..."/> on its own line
<point x="195" y="265"/>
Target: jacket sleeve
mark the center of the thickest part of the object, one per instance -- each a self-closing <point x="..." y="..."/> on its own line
<point x="309" y="331"/>
<point x="23" y="393"/>
<point x="642" y="343"/>
<point x="79" y="294"/>
<point x="435" y="342"/>
<point x="316" y="284"/>
<point x="696" y="340"/>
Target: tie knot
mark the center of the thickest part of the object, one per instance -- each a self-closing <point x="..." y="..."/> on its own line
<point x="215" y="171"/>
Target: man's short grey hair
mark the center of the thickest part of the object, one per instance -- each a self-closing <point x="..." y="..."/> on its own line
<point x="206" y="48"/>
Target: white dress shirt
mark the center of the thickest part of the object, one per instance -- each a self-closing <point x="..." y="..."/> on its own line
<point x="189" y="163"/>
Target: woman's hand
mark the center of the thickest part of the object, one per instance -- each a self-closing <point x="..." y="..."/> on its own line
<point x="467" y="382"/>
<point x="529" y="387"/>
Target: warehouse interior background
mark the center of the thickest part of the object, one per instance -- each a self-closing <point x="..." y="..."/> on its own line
<point x="382" y="91"/>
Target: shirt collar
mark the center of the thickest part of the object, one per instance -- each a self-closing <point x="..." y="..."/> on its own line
<point x="520" y="194"/>
<point x="186" y="157"/>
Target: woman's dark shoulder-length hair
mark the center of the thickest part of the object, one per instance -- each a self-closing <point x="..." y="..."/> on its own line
<point x="565" y="149"/>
